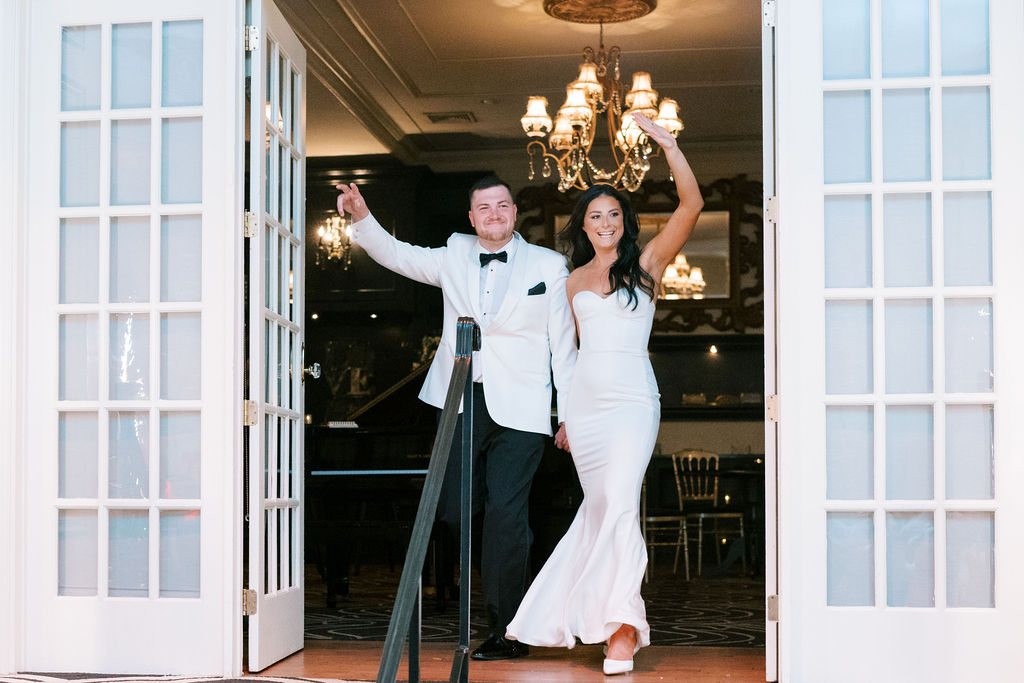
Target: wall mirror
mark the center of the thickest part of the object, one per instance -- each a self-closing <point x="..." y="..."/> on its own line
<point x="726" y="293"/>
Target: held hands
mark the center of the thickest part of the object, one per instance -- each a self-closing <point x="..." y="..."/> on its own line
<point x="561" y="440"/>
<point x="350" y="201"/>
<point x="655" y="132"/>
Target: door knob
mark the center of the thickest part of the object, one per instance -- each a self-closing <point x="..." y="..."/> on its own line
<point x="311" y="371"/>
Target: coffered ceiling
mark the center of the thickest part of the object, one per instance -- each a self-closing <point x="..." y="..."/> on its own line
<point x="444" y="82"/>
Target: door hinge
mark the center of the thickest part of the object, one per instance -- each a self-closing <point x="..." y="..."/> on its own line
<point x="771" y="210"/>
<point x="249" y="414"/>
<point x="252" y="38"/>
<point x="768" y="13"/>
<point x="248" y="602"/>
<point x="250" y="222"/>
<point x="771" y="607"/>
<point x="771" y="407"/>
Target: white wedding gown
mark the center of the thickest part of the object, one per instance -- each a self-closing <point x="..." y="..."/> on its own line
<point x="590" y="585"/>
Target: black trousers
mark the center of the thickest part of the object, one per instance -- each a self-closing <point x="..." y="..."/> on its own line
<point x="504" y="462"/>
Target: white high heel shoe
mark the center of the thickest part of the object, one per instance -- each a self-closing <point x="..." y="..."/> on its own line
<point x="617" y="666"/>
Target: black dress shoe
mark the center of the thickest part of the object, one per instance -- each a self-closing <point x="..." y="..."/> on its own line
<point x="498" y="647"/>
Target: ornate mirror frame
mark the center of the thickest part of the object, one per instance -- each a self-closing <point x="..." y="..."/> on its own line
<point x="743" y="310"/>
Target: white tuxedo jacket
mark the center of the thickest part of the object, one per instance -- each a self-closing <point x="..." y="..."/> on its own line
<point x="531" y="337"/>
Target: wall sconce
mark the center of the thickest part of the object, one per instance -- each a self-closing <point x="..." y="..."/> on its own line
<point x="335" y="240"/>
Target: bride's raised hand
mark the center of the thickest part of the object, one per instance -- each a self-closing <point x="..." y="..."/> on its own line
<point x="659" y="135"/>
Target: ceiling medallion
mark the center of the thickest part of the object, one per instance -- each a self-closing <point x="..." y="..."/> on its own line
<point x="599" y="11"/>
<point x="597" y="91"/>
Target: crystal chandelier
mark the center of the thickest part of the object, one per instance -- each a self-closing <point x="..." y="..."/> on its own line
<point x="681" y="281"/>
<point x="597" y="90"/>
<point x="335" y="240"/>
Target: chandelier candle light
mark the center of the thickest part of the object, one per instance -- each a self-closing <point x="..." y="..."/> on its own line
<point x="597" y="90"/>
<point x="335" y="236"/>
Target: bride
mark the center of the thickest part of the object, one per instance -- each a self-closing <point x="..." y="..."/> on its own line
<point x="590" y="586"/>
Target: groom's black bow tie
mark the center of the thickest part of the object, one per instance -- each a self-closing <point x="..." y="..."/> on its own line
<point x="487" y="258"/>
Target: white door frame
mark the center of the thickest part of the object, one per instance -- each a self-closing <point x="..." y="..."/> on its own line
<point x="801" y="491"/>
<point x="222" y="289"/>
<point x="13" y="32"/>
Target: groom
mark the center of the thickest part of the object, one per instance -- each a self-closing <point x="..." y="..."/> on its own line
<point x="516" y="293"/>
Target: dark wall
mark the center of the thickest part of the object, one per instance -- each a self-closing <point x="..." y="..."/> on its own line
<point x="372" y="326"/>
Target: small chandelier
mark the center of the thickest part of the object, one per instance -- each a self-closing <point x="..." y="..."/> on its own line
<point x="597" y="90"/>
<point x="681" y="281"/>
<point x="334" y="240"/>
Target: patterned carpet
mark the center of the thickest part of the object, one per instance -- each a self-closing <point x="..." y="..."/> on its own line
<point x="710" y="611"/>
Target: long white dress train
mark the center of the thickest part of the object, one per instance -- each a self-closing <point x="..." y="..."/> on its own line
<point x="590" y="585"/>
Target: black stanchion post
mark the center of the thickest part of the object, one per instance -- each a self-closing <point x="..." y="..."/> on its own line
<point x="467" y="341"/>
<point x="415" y="630"/>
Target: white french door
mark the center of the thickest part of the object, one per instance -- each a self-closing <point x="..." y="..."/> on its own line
<point x="132" y="262"/>
<point x="899" y="326"/>
<point x="275" y="323"/>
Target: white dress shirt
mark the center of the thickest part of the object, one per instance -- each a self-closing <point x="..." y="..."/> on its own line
<point x="493" y="286"/>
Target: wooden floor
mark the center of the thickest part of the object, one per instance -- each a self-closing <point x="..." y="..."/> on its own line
<point x="358" y="661"/>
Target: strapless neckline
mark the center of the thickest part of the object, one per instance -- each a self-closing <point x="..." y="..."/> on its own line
<point x="613" y="295"/>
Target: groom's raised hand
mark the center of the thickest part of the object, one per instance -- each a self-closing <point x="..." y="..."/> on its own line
<point x="350" y="201"/>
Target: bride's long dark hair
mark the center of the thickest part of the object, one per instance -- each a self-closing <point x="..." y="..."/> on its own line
<point x="626" y="272"/>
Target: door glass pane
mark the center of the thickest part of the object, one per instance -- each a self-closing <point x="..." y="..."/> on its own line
<point x="909" y="473"/>
<point x="908" y="240"/>
<point x="128" y="468"/>
<point x="848" y="347"/>
<point x="179" y="554"/>
<point x="968" y="345"/>
<point x="131" y="65"/>
<point x="910" y="559"/>
<point x="846" y="38"/>
<point x="79" y="68"/>
<point x="79" y="260"/>
<point x="284" y="184"/>
<point x="851" y="563"/>
<point x="179" y="455"/>
<point x="129" y="553"/>
<point x="270" y="273"/>
<point x="180" y="355"/>
<point x="296" y="107"/>
<point x="283" y="275"/>
<point x="848" y="241"/>
<point x="77" y="552"/>
<point x="967" y="231"/>
<point x="297" y="196"/>
<point x="847" y="136"/>
<point x="129" y="162"/>
<point x="849" y="452"/>
<point x="293" y="263"/>
<point x="904" y="38"/>
<point x="281" y="351"/>
<point x="78" y="352"/>
<point x="966" y="148"/>
<point x="964" y="37"/>
<point x="181" y="258"/>
<point x="182" y="83"/>
<point x="906" y="137"/>
<point x="129" y="356"/>
<point x="79" y="163"/>
<point x="268" y="351"/>
<point x="77" y="455"/>
<point x="283" y="83"/>
<point x="129" y="258"/>
<point x="970" y="559"/>
<point x="908" y="346"/>
<point x="181" y="161"/>
<point x="969" y="449"/>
